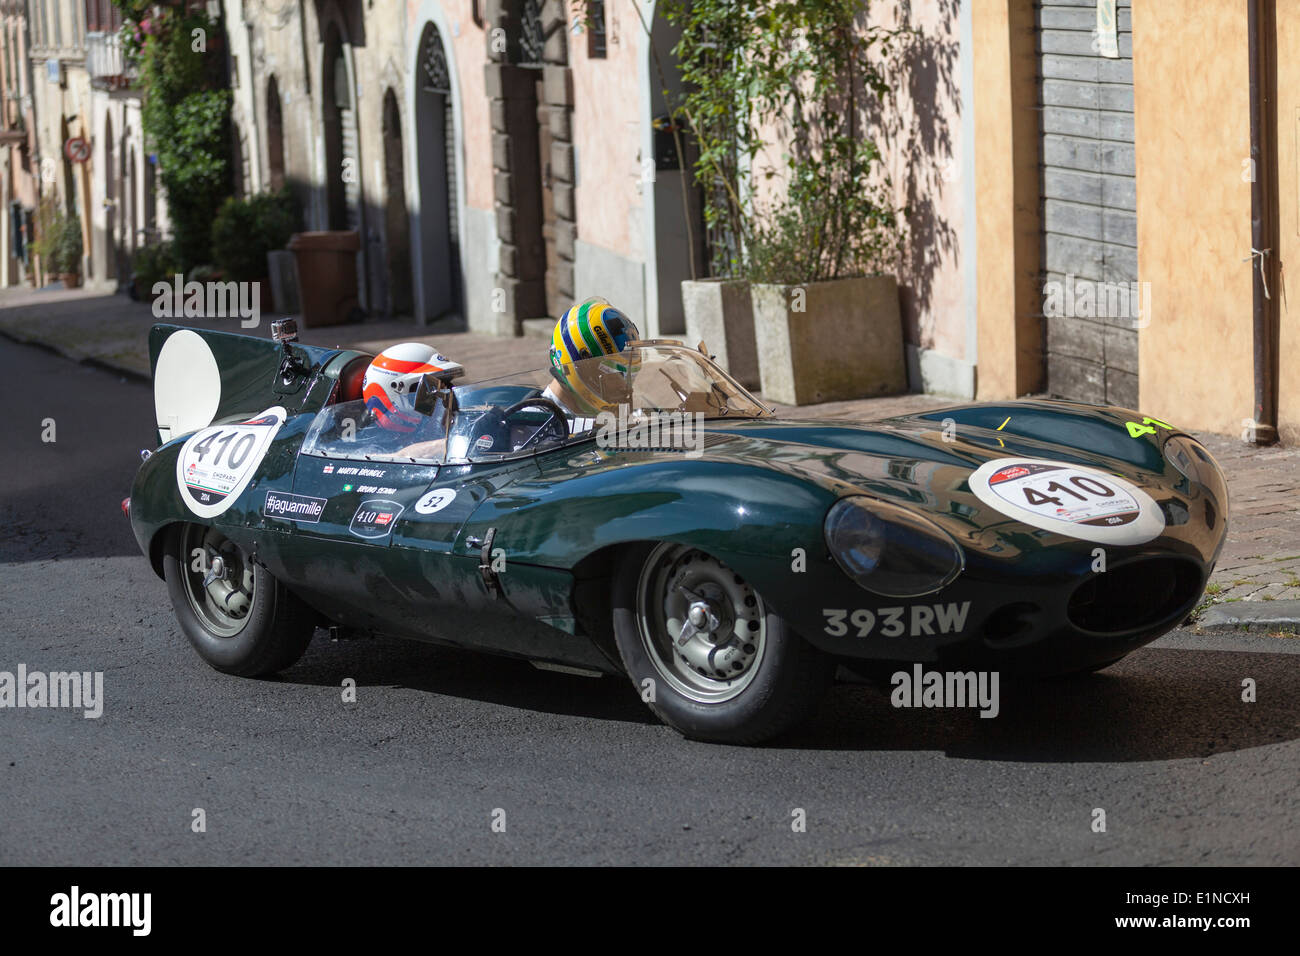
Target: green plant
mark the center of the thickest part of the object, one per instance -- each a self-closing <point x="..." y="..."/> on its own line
<point x="245" y="230"/>
<point x="205" y="273"/>
<point x="154" y="263"/>
<point x="715" y="108"/>
<point x="185" y="116"/>
<point x="799" y="76"/>
<point x="70" y="247"/>
<point x="58" y="240"/>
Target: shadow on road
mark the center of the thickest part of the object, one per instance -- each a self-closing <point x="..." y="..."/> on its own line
<point x="451" y="672"/>
<point x="1157" y="704"/>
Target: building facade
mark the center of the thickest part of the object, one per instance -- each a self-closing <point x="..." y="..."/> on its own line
<point x="60" y="90"/>
<point x="82" y="91"/>
<point x="1080" y="202"/>
<point x="500" y="158"/>
<point x="19" y="166"/>
<point x="125" y="207"/>
<point x="1136" y="208"/>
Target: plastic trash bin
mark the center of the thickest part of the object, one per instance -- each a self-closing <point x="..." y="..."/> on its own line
<point x="327" y="276"/>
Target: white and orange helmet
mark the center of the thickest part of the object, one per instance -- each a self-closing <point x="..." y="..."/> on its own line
<point x="394" y="377"/>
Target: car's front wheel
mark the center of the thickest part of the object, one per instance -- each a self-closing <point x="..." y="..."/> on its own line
<point x="708" y="656"/>
<point x="238" y="617"/>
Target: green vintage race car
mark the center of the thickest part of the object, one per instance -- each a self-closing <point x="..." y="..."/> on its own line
<point x="724" y="559"/>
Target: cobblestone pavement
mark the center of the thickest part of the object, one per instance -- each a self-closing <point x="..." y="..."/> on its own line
<point x="1260" y="561"/>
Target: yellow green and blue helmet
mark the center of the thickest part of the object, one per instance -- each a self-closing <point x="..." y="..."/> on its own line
<point x="593" y="328"/>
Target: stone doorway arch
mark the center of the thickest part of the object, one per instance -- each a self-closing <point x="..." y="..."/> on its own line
<point x="397" y="225"/>
<point x="435" y="151"/>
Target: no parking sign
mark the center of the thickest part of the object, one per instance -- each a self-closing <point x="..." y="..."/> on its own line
<point x="77" y="149"/>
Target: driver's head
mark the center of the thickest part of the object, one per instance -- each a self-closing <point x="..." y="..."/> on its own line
<point x="593" y="328"/>
<point x="589" y="331"/>
<point x="394" y="377"/>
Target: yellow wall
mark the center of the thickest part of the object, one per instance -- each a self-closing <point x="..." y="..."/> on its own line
<point x="1288" y="145"/>
<point x="1006" y="188"/>
<point x="1192" y="121"/>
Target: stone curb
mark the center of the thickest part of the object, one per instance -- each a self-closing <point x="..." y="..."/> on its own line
<point x="75" y="355"/>
<point x="1249" y="615"/>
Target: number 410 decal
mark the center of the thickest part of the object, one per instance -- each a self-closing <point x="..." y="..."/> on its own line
<point x="1081" y="482"/>
<point x="216" y="464"/>
<point x="238" y="455"/>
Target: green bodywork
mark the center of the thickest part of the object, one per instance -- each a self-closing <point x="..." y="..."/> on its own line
<point x="756" y="498"/>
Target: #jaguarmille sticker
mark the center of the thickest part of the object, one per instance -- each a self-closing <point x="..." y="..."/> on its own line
<point x="297" y="507"/>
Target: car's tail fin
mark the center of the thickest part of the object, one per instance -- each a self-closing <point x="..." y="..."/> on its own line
<point x="203" y="376"/>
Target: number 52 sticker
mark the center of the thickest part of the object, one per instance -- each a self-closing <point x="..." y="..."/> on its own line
<point x="216" y="463"/>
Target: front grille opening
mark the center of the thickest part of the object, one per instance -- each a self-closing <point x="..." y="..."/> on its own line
<point x="1135" y="596"/>
<point x="1011" y="625"/>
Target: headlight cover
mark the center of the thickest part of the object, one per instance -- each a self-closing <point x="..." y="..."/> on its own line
<point x="890" y="550"/>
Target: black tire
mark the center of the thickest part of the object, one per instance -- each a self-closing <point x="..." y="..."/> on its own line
<point x="272" y="634"/>
<point x="790" y="677"/>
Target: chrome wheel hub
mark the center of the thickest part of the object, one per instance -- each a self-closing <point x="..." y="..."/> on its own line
<point x="219" y="581"/>
<point x="702" y="625"/>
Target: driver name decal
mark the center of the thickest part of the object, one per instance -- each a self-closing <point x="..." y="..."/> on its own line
<point x="375" y="518"/>
<point x="1072" y="500"/>
<point x="216" y="464"/>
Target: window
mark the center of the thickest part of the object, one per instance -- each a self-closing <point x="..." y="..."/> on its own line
<point x="596" y="29"/>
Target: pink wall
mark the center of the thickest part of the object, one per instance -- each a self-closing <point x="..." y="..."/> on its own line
<point x="920" y="135"/>
<point x="607" y="133"/>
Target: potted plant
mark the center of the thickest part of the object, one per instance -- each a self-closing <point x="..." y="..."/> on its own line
<point x="59" y="243"/>
<point x="827" y="327"/>
<point x="152" y="264"/>
<point x="246" y="231"/>
<point x="713" y="110"/>
<point x="797" y="201"/>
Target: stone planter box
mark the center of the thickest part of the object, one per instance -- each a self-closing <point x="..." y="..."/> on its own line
<point x="720" y="312"/>
<point x="846" y="342"/>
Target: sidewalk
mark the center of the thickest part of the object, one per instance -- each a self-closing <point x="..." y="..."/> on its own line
<point x="1256" y="584"/>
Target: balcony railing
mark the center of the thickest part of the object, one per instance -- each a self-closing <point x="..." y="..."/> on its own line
<point x="107" y="66"/>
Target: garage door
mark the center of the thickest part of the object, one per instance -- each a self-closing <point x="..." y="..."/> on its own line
<point x="1089" y="204"/>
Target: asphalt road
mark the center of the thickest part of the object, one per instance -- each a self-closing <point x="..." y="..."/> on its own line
<point x="287" y="773"/>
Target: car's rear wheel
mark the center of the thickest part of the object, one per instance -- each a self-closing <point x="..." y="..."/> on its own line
<point x="238" y="617"/>
<point x="707" y="654"/>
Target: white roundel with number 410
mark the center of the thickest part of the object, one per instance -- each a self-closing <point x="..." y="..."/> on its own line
<point x="1080" y="502"/>
<point x="216" y="463"/>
